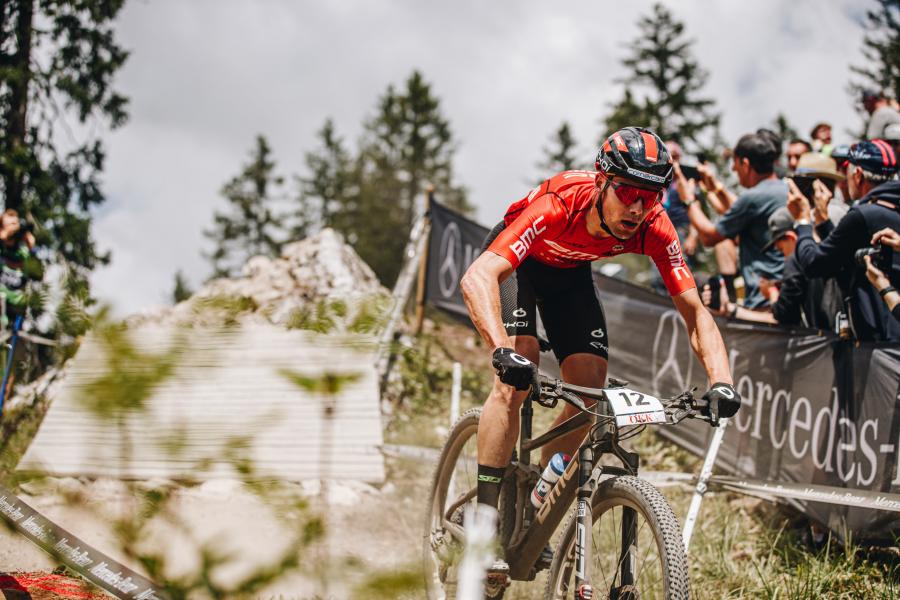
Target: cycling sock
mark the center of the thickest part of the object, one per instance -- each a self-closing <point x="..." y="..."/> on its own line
<point x="729" y="285"/>
<point x="489" y="481"/>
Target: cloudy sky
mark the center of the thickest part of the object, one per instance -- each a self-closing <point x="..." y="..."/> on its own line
<point x="206" y="76"/>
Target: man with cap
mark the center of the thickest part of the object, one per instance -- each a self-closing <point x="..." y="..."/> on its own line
<point x="812" y="168"/>
<point x="872" y="180"/>
<point x="797" y="301"/>
<point x="882" y="113"/>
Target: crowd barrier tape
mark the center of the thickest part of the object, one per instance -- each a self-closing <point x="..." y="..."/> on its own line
<point x="99" y="569"/>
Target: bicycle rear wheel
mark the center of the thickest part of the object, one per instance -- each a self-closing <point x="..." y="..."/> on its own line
<point x="653" y="566"/>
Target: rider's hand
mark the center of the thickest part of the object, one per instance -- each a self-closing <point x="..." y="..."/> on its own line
<point x="723" y="400"/>
<point x="513" y="369"/>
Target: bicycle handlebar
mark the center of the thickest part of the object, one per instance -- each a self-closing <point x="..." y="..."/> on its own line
<point x="546" y="391"/>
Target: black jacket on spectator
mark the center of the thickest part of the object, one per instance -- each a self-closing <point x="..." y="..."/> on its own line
<point x="869" y="316"/>
<point x="801" y="299"/>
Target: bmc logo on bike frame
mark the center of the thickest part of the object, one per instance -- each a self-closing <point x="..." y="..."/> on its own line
<point x="556" y="490"/>
<point x="521" y="246"/>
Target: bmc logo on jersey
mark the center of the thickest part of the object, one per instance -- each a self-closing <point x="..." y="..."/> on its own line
<point x="676" y="260"/>
<point x="521" y="246"/>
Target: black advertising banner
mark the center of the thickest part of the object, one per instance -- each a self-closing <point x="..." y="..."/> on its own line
<point x="455" y="242"/>
<point x="818" y="413"/>
<point x="816" y="410"/>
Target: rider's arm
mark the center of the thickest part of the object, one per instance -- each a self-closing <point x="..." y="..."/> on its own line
<point x="542" y="218"/>
<point x="662" y="245"/>
<point x="481" y="291"/>
<point x="706" y="341"/>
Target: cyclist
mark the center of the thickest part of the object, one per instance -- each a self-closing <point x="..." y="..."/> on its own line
<point x="540" y="255"/>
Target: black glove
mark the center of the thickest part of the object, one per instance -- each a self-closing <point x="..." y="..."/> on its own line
<point x="723" y="400"/>
<point x="513" y="369"/>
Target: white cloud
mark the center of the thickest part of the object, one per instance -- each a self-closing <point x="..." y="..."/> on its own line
<point x="205" y="77"/>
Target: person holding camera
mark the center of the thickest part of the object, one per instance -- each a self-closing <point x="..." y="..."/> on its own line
<point x="890" y="238"/>
<point x="16" y="244"/>
<point x="872" y="180"/>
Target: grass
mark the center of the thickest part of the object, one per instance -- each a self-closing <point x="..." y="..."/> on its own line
<point x="743" y="548"/>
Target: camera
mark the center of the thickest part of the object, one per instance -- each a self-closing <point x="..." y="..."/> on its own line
<point x="882" y="257"/>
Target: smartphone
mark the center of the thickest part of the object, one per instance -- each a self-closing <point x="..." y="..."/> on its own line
<point x="690" y="172"/>
<point x="715" y="285"/>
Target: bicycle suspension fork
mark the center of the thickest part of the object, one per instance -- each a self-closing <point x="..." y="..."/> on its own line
<point x="584" y="523"/>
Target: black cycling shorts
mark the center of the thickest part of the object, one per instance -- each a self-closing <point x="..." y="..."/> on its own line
<point x="570" y="309"/>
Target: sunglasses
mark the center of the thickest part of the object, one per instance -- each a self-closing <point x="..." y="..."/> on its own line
<point x="629" y="194"/>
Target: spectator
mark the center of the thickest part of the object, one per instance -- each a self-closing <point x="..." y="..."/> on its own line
<point x="16" y="243"/>
<point x="882" y="113"/>
<point x="821" y="138"/>
<point x="872" y="178"/>
<point x="747" y="219"/>
<point x="798" y="300"/>
<point x="814" y="167"/>
<point x="796" y="148"/>
<point x="675" y="208"/>
<point x="886" y="237"/>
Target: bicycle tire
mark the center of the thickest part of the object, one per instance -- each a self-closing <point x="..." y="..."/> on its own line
<point x="443" y="586"/>
<point x="653" y="509"/>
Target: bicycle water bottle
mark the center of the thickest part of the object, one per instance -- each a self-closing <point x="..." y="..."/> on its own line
<point x="551" y="474"/>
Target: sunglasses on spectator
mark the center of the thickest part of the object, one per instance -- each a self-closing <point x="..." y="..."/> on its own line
<point x="629" y="194"/>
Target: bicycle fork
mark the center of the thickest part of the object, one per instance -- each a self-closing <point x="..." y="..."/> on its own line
<point x="584" y="524"/>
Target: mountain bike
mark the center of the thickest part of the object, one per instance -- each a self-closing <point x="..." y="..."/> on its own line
<point x="621" y="541"/>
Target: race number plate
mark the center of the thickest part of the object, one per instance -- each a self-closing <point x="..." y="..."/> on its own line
<point x="635" y="408"/>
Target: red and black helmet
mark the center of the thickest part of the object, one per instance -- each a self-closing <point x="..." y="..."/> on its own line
<point x="637" y="155"/>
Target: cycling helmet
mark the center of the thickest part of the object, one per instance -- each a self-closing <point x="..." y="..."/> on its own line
<point x="638" y="156"/>
<point x="876" y="158"/>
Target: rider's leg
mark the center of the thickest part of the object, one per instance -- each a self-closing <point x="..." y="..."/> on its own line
<point x="498" y="428"/>
<point x="588" y="370"/>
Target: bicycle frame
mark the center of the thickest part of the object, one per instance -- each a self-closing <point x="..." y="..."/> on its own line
<point x="534" y="527"/>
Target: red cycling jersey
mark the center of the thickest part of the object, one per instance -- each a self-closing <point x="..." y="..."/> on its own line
<point x="550" y="225"/>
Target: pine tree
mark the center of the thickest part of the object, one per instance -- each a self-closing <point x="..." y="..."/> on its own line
<point x="182" y="290"/>
<point x="881" y="48"/>
<point x="561" y="154"/>
<point x="249" y="226"/>
<point x="670" y="79"/>
<point x="407" y="145"/>
<point x="784" y="129"/>
<point x="57" y="62"/>
<point x="327" y="191"/>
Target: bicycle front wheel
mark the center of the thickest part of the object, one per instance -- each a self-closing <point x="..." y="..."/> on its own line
<point x="636" y="551"/>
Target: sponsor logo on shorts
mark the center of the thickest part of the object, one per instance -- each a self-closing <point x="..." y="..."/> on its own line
<point x="516" y="324"/>
<point x="519" y="312"/>
<point x="597" y="333"/>
<point x="599" y="346"/>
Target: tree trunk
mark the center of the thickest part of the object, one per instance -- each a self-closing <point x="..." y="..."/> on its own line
<point x="16" y="118"/>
